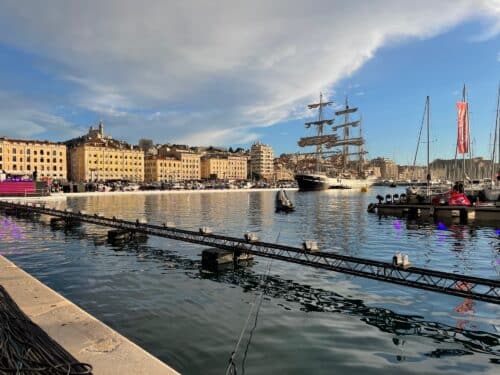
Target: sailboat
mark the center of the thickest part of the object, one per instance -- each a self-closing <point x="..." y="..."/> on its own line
<point x="337" y="171"/>
<point x="424" y="194"/>
<point x="492" y="192"/>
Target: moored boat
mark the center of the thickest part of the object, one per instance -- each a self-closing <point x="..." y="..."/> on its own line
<point x="336" y="171"/>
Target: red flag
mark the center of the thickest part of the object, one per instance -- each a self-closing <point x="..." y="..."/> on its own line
<point x="463" y="128"/>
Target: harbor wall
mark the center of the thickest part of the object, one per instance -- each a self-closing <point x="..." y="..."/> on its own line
<point x="86" y="338"/>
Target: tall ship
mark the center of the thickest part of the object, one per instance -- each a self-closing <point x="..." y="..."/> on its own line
<point x="338" y="162"/>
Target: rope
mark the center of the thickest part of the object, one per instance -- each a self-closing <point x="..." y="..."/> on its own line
<point x="26" y="349"/>
<point x="231" y="368"/>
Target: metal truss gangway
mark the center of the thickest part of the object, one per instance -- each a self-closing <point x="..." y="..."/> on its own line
<point x="475" y="288"/>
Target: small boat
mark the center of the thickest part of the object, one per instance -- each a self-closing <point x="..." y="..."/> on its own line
<point x="283" y="203"/>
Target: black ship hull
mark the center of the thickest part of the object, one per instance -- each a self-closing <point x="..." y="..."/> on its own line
<point x="310" y="182"/>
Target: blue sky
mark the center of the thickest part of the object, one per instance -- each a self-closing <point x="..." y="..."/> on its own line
<point x="231" y="73"/>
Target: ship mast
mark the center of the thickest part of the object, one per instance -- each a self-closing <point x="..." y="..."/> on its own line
<point x="346" y="142"/>
<point x="320" y="139"/>
<point x="328" y="141"/>
<point x="346" y="136"/>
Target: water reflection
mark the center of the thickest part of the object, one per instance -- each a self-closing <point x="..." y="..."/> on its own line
<point x="288" y="294"/>
<point x="147" y="293"/>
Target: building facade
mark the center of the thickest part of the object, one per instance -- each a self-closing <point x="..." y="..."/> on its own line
<point x="224" y="167"/>
<point x="388" y="169"/>
<point x="261" y="161"/>
<point x="23" y="157"/>
<point x="95" y="157"/>
<point x="162" y="169"/>
<point x="190" y="164"/>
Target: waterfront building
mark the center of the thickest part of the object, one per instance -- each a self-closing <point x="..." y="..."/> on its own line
<point x="96" y="157"/>
<point x="162" y="169"/>
<point x="261" y="161"/>
<point x="281" y="172"/>
<point x="190" y="161"/>
<point x="409" y="172"/>
<point x="388" y="169"/>
<point x="224" y="166"/>
<point x="24" y="157"/>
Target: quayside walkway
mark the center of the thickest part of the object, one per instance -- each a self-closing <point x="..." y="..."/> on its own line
<point x="44" y="333"/>
<point x="476" y="288"/>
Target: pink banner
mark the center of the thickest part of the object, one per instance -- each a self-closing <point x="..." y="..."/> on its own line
<point x="463" y="128"/>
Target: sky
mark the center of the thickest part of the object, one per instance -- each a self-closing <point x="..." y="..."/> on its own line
<point x="229" y="73"/>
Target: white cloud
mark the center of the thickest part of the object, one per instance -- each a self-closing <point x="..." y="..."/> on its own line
<point x="211" y="71"/>
<point x="22" y="118"/>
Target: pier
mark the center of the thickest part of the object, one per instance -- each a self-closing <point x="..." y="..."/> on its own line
<point x="463" y="214"/>
<point x="401" y="273"/>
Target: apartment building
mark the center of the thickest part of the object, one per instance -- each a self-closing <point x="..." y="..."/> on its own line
<point x="261" y="160"/>
<point x="224" y="166"/>
<point x="96" y="157"/>
<point x="24" y="157"/>
<point x="162" y="169"/>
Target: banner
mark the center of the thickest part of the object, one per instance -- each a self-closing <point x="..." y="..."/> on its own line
<point x="463" y="128"/>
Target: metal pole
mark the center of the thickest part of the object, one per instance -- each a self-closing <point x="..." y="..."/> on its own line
<point x="428" y="148"/>
<point x="463" y="134"/>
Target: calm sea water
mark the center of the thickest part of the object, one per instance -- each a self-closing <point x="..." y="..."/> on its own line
<point x="310" y="321"/>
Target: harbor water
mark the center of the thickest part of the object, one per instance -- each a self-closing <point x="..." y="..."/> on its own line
<point x="310" y="321"/>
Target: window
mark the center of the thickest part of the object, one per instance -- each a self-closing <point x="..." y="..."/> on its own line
<point x="14" y="167"/>
<point x="54" y="168"/>
<point x="54" y="153"/>
<point x="41" y="159"/>
<point x="28" y="151"/>
<point x="36" y="160"/>
<point x="35" y="152"/>
<point x="14" y="150"/>
<point x="28" y="167"/>
<point x="14" y="158"/>
<point x="28" y="159"/>
<point x="54" y="160"/>
<point x="41" y="152"/>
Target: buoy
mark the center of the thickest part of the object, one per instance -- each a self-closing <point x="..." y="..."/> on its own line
<point x="401" y="260"/>
<point x="310" y="245"/>
<point x="251" y="237"/>
<point x="205" y="230"/>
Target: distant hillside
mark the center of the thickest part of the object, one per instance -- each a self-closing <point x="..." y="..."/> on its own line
<point x="453" y="169"/>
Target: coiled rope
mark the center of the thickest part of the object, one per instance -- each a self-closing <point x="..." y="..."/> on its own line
<point x="26" y="349"/>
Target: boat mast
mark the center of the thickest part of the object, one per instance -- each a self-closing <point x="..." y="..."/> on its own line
<point x="495" y="138"/>
<point x="320" y="139"/>
<point x="361" y="158"/>
<point x="428" y="144"/>
<point x="319" y="146"/>
<point x="345" y="150"/>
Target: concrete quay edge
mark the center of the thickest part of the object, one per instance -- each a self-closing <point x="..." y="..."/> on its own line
<point x="85" y="337"/>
